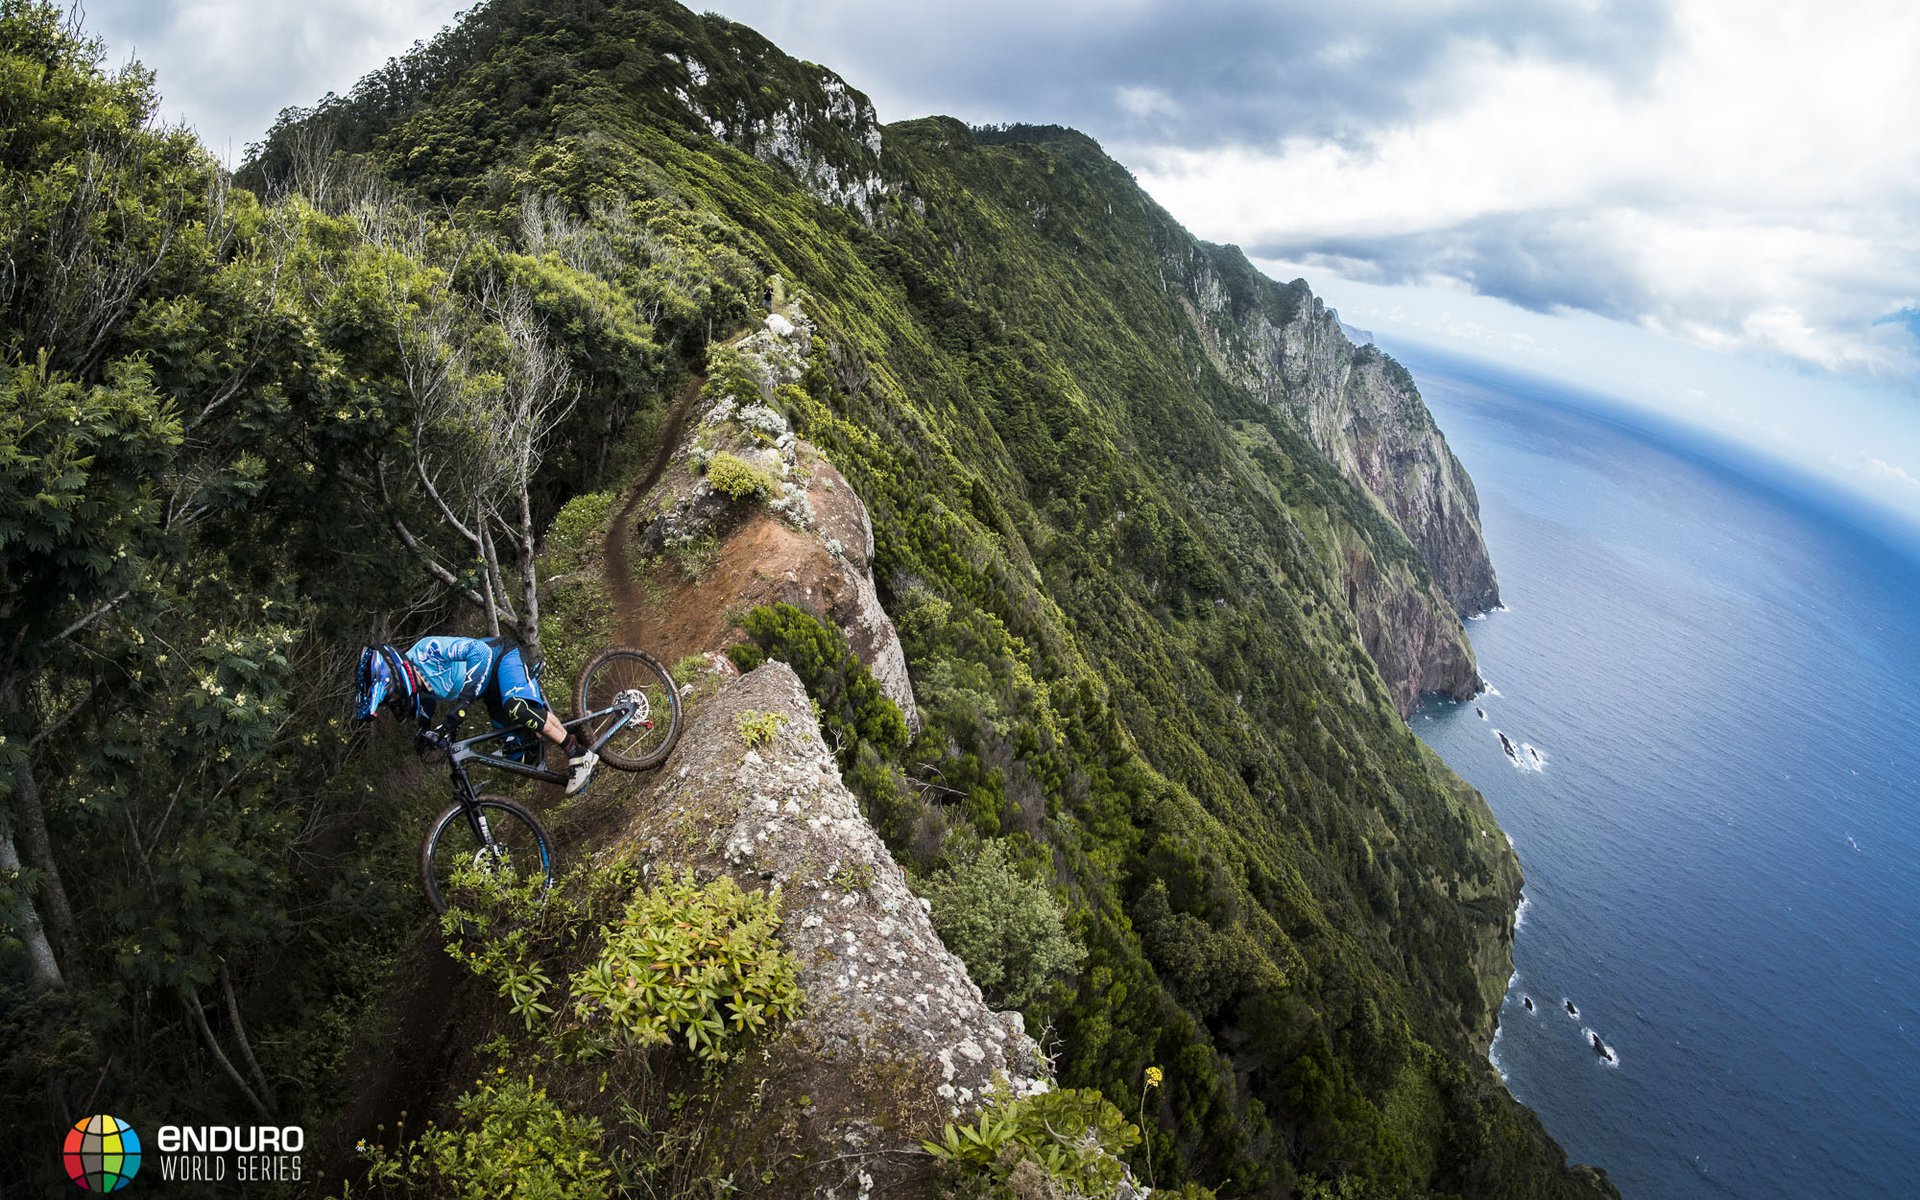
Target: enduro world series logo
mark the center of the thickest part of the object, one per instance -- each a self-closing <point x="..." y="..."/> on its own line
<point x="103" y="1153"/>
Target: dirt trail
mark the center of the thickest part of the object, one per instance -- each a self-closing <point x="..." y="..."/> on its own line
<point x="628" y="599"/>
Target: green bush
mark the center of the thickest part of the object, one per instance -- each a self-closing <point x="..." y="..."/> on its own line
<point x="693" y="961"/>
<point x="1064" y="1143"/>
<point x="1005" y="926"/>
<point x="733" y="475"/>
<point x="575" y="528"/>
<point x="514" y="1144"/>
<point x="759" y="728"/>
<point x="853" y="709"/>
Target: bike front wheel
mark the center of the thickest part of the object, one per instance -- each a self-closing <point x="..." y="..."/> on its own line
<point x="513" y="847"/>
<point x="627" y="676"/>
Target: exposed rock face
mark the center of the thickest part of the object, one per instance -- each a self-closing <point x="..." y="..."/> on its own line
<point x="1362" y="411"/>
<point x="895" y="1038"/>
<point x="1413" y="637"/>
<point x="826" y="134"/>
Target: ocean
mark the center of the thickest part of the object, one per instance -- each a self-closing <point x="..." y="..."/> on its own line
<point x="1719" y="833"/>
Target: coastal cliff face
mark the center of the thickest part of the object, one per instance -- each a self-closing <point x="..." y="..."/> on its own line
<point x="1363" y="412"/>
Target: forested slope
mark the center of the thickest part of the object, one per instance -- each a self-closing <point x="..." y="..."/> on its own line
<point x="1133" y="593"/>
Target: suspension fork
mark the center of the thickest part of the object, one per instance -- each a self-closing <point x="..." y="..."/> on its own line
<point x="463" y="791"/>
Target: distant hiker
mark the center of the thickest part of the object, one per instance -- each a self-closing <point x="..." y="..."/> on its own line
<point x="453" y="672"/>
<point x="766" y="298"/>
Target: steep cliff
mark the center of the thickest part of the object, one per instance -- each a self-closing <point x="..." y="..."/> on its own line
<point x="1363" y="412"/>
<point x="1358" y="407"/>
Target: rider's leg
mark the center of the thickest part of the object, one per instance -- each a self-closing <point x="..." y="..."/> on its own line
<point x="515" y="699"/>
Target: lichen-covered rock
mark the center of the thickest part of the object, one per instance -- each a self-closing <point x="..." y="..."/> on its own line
<point x="895" y="1039"/>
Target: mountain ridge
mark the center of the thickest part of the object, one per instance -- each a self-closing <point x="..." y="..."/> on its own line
<point x="1157" y="744"/>
<point x="957" y="344"/>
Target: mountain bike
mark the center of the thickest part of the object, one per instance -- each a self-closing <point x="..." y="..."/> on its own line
<point x="629" y="715"/>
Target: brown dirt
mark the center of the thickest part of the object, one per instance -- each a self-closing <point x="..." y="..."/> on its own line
<point x="763" y="561"/>
<point x="627" y="596"/>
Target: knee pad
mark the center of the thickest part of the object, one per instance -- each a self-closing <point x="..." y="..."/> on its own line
<point x="525" y="714"/>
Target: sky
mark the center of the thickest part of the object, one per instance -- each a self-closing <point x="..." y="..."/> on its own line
<point x="1710" y="208"/>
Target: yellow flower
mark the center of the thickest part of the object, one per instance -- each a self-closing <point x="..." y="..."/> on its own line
<point x="1154" y="1077"/>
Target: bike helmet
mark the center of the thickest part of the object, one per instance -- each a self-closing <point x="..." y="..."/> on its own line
<point x="383" y="675"/>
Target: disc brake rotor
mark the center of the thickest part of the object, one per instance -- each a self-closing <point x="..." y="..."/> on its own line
<point x="488" y="859"/>
<point x="638" y="700"/>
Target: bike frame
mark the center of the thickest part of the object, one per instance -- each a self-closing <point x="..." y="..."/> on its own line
<point x="463" y="753"/>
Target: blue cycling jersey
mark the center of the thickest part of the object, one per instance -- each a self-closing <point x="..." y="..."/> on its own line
<point x="454" y="669"/>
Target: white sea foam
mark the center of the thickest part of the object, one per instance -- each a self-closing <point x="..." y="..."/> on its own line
<point x="1605" y="1054"/>
<point x="1477" y="617"/>
<point x="1521" y="909"/>
<point x="1512" y="750"/>
<point x="1493" y="1051"/>
<point x="1537" y="758"/>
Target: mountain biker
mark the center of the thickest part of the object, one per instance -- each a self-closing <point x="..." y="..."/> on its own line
<point x="450" y="673"/>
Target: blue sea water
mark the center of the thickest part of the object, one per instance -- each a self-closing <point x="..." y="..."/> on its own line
<point x="1721" y="841"/>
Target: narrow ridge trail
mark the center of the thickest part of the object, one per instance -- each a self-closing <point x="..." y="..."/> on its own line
<point x="627" y="596"/>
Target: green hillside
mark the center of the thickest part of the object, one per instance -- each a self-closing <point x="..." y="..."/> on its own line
<point x="1116" y="572"/>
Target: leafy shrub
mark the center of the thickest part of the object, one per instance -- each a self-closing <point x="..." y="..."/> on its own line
<point x="1064" y="1143"/>
<point x="692" y="961"/>
<point x="759" y="728"/>
<point x="514" y="1144"/>
<point x="762" y="421"/>
<point x="574" y="528"/>
<point x="1005" y="926"/>
<point x="866" y="730"/>
<point x="853" y="709"/>
<point x="507" y="928"/>
<point x="733" y="475"/>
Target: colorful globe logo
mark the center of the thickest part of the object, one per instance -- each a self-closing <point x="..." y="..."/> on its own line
<point x="102" y="1153"/>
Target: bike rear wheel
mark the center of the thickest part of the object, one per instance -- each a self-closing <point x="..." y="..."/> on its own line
<point x="628" y="674"/>
<point x="516" y="846"/>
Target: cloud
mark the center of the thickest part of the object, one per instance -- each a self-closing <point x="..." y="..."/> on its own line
<point x="1743" y="179"/>
<point x="1240" y="71"/>
<point x="227" y="67"/>
<point x="1758" y="191"/>
<point x="1881" y="469"/>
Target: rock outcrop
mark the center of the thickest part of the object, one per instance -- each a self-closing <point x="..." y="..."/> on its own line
<point x="706" y="556"/>
<point x="895" y="1039"/>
